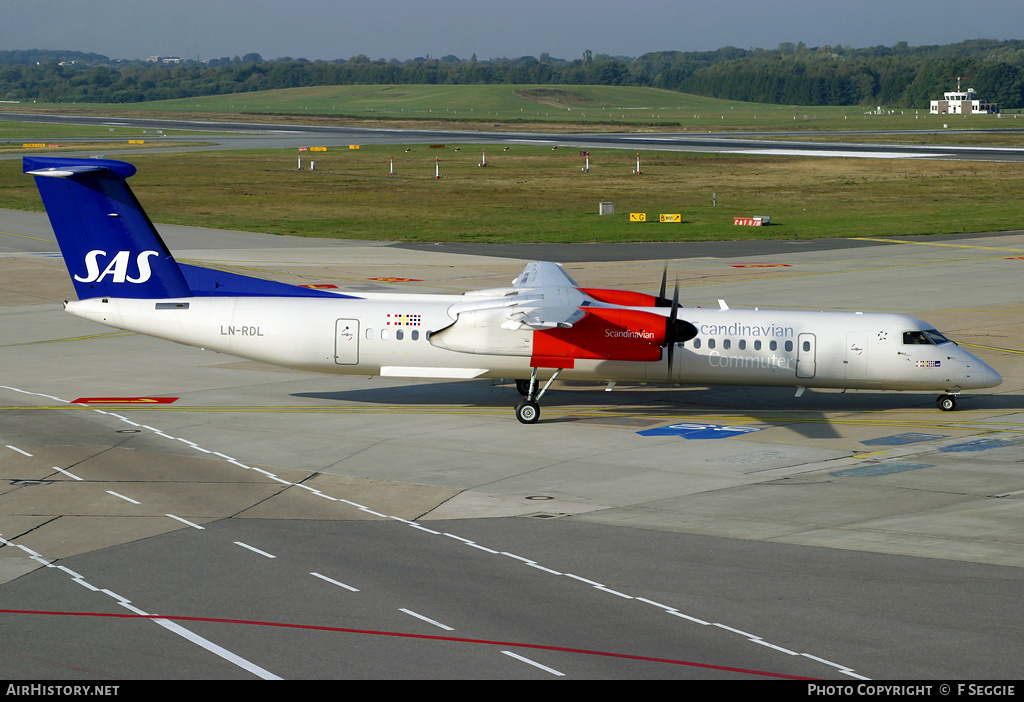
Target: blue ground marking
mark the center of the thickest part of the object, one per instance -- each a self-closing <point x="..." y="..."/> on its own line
<point x="911" y="437"/>
<point x="879" y="469"/>
<point x="699" y="431"/>
<point x="977" y="445"/>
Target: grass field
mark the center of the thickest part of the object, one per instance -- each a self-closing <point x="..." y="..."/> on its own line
<point x="537" y="194"/>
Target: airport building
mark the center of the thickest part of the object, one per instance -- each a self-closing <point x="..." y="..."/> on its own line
<point x="958" y="102"/>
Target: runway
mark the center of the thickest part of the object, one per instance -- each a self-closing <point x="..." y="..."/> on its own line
<point x="248" y="135"/>
<point x="279" y="524"/>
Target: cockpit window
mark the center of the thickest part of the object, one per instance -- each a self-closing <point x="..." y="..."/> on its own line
<point x="927" y="336"/>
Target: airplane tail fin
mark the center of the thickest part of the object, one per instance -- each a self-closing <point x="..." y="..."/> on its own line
<point x="110" y="246"/>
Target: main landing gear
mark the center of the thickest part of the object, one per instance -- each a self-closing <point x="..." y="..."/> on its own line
<point x="528" y="411"/>
<point x="946" y="402"/>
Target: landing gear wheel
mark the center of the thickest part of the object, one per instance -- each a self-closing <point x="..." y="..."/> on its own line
<point x="946" y="403"/>
<point x="523" y="386"/>
<point x="528" y="412"/>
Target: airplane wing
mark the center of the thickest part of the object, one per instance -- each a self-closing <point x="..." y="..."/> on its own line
<point x="543" y="274"/>
<point x="545" y="297"/>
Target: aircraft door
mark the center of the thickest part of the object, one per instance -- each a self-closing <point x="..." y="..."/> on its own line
<point x="346" y="342"/>
<point x="805" y="356"/>
<point x="856" y="359"/>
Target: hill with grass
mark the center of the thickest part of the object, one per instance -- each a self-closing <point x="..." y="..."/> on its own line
<point x="791" y="74"/>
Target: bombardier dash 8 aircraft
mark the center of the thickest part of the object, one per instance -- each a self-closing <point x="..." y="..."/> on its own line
<point x="541" y="327"/>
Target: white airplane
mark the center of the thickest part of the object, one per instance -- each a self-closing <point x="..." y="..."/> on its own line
<point x="541" y="327"/>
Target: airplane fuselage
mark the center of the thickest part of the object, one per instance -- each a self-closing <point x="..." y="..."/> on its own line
<point x="417" y="336"/>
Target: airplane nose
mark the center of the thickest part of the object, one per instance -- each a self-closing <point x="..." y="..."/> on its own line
<point x="992" y="378"/>
<point x="982" y="375"/>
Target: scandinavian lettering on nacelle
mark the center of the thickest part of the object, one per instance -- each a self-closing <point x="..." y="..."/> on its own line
<point x="627" y="334"/>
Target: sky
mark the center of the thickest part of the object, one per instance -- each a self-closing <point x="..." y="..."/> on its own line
<point x="405" y="29"/>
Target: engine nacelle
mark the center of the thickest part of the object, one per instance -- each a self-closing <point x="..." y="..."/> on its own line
<point x="605" y="334"/>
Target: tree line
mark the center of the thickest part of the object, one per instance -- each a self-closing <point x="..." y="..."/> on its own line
<point x="896" y="76"/>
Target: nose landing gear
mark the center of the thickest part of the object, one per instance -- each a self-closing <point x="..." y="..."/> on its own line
<point x="946" y="402"/>
<point x="528" y="411"/>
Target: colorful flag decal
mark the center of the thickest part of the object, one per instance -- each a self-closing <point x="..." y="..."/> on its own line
<point x="405" y="320"/>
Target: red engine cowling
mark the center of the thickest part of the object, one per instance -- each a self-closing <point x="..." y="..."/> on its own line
<point x="626" y="298"/>
<point x="604" y="334"/>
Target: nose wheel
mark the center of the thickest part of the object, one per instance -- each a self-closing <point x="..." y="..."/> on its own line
<point x="946" y="403"/>
<point x="528" y="411"/>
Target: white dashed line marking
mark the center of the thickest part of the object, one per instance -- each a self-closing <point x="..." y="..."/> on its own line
<point x="334" y="582"/>
<point x="535" y="664"/>
<point x="255" y="550"/>
<point x="426" y="619"/>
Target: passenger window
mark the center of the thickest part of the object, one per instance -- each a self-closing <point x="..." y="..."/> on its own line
<point x="743" y="344"/>
<point x="711" y="343"/>
<point x="757" y="345"/>
<point x="789" y="345"/>
<point x="399" y="334"/>
<point x="369" y="333"/>
<point x="807" y="346"/>
<point x="773" y="345"/>
<point x="415" y="334"/>
<point x="384" y="334"/>
<point x="726" y="343"/>
<point x="696" y="343"/>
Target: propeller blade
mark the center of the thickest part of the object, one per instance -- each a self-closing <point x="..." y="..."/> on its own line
<point x="673" y="320"/>
<point x="661" y="293"/>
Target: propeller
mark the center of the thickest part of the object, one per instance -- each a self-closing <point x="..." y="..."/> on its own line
<point x="676" y="330"/>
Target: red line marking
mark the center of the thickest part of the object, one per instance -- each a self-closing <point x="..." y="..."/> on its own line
<point x="125" y="400"/>
<point x="509" y="644"/>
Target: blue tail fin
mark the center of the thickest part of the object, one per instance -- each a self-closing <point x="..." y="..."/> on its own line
<point x="112" y="249"/>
